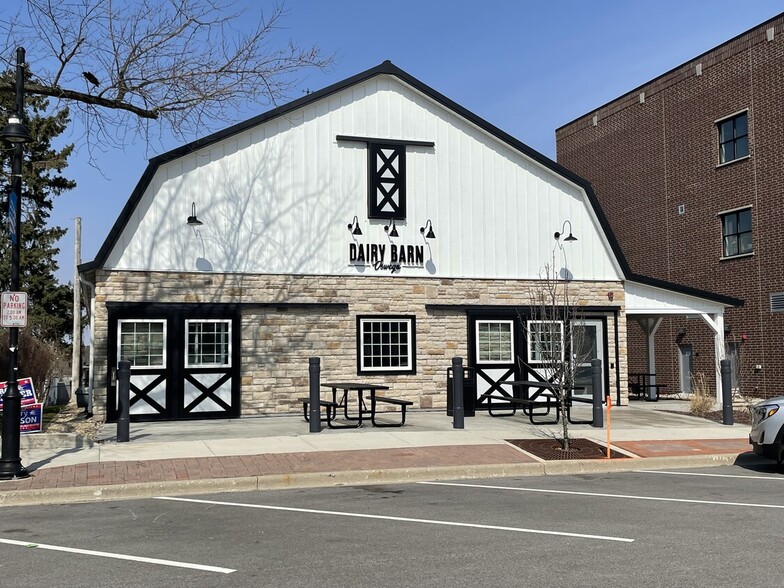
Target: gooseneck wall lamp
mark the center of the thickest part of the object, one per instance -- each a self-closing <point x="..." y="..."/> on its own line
<point x="429" y="227"/>
<point x="353" y="226"/>
<point x="193" y="220"/>
<point x="570" y="237"/>
<point x="17" y="135"/>
<point x="391" y="230"/>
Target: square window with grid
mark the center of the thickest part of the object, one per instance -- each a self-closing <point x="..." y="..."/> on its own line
<point x="736" y="230"/>
<point x="494" y="342"/>
<point x="209" y="343"/>
<point x="734" y="138"/>
<point x="386" y="344"/>
<point x="545" y="341"/>
<point x="142" y="343"/>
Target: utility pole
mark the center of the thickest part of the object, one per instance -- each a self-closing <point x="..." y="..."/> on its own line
<point x="76" y="352"/>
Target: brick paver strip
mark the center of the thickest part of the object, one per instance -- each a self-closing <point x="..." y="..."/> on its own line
<point x="110" y="473"/>
<point x="684" y="447"/>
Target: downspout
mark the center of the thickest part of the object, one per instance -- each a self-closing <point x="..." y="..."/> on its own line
<point x="91" y="312"/>
<point x="616" y="314"/>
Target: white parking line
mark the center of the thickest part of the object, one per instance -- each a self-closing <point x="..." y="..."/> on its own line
<point x="399" y="519"/>
<point x="603" y="495"/>
<point x="151" y="560"/>
<point x="769" y="478"/>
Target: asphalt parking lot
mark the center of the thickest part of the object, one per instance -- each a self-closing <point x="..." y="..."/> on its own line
<point x="707" y="527"/>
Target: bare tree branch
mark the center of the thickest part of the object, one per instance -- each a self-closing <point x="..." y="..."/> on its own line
<point x="185" y="64"/>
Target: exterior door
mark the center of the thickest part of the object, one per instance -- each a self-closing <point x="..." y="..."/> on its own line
<point x="185" y="360"/>
<point x="143" y="344"/>
<point x="588" y="344"/>
<point x="686" y="367"/>
<point x="494" y="355"/>
<point x="208" y="375"/>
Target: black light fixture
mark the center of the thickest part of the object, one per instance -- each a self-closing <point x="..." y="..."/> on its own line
<point x="193" y="220"/>
<point x="353" y="226"/>
<point x="391" y="230"/>
<point x="571" y="237"/>
<point x="15" y="133"/>
<point x="428" y="225"/>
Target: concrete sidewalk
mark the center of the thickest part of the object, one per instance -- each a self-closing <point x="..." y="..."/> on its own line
<point x="256" y="453"/>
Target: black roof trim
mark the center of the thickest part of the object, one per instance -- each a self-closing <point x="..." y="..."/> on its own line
<point x="385" y="68"/>
<point x="671" y="71"/>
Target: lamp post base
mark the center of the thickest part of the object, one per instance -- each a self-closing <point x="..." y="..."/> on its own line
<point x="13" y="470"/>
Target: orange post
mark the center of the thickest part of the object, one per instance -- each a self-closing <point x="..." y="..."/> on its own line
<point x="609" y="406"/>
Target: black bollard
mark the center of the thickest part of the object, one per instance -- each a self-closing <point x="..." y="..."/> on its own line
<point x="598" y="393"/>
<point x="727" y="417"/>
<point x="458" y="408"/>
<point x="314" y="404"/>
<point x="124" y="401"/>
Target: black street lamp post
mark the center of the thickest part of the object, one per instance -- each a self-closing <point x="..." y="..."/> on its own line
<point x="15" y="133"/>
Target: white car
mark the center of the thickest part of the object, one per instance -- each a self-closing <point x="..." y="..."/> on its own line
<point x="767" y="429"/>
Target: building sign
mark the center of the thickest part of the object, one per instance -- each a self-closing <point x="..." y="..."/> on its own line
<point x="386" y="256"/>
<point x="14" y="309"/>
<point x="26" y="389"/>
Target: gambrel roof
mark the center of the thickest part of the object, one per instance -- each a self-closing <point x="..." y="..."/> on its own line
<point x="387" y="69"/>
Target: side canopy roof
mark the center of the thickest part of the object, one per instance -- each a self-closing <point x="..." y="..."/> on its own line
<point x="541" y="171"/>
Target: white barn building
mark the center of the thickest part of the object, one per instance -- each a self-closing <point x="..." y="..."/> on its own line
<point x="375" y="224"/>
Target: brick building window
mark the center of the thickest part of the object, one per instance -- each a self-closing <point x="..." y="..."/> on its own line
<point x="386" y="344"/>
<point x="736" y="230"/>
<point x="734" y="137"/>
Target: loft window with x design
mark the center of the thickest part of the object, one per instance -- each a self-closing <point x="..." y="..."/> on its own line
<point x="387" y="181"/>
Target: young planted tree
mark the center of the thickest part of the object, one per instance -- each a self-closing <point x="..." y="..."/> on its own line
<point x="557" y="342"/>
<point x="168" y="66"/>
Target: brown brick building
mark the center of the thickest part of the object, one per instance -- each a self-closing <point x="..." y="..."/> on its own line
<point x="689" y="169"/>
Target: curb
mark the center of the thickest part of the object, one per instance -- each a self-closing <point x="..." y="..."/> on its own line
<point x="54" y="441"/>
<point x="358" y="477"/>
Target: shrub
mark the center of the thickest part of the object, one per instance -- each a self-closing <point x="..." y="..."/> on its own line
<point x="702" y="399"/>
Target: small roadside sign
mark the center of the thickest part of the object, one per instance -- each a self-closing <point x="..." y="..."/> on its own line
<point x="26" y="389"/>
<point x="31" y="418"/>
<point x="14" y="309"/>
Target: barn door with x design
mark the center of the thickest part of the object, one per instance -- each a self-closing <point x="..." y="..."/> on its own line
<point x="143" y="343"/>
<point x="494" y="357"/>
<point x="209" y="374"/>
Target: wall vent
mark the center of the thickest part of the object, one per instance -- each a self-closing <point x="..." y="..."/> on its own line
<point x="770" y="33"/>
<point x="595" y="120"/>
<point x="681" y="209"/>
<point x="642" y="97"/>
<point x="777" y="302"/>
<point x="698" y="69"/>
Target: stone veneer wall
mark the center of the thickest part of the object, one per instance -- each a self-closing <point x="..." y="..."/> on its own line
<point x="277" y="342"/>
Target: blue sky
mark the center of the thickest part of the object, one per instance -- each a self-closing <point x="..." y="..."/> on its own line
<point x="527" y="67"/>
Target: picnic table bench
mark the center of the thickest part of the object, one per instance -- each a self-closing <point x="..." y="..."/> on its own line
<point x="543" y="398"/>
<point x="356" y="418"/>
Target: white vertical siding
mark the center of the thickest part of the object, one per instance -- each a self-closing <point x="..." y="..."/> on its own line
<point x="277" y="198"/>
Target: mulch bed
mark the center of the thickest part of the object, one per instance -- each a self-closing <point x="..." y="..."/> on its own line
<point x="739" y="417"/>
<point x="550" y="449"/>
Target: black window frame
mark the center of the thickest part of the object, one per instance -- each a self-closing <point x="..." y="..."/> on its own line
<point x="385" y="369"/>
<point x="738" y="139"/>
<point x="729" y="235"/>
